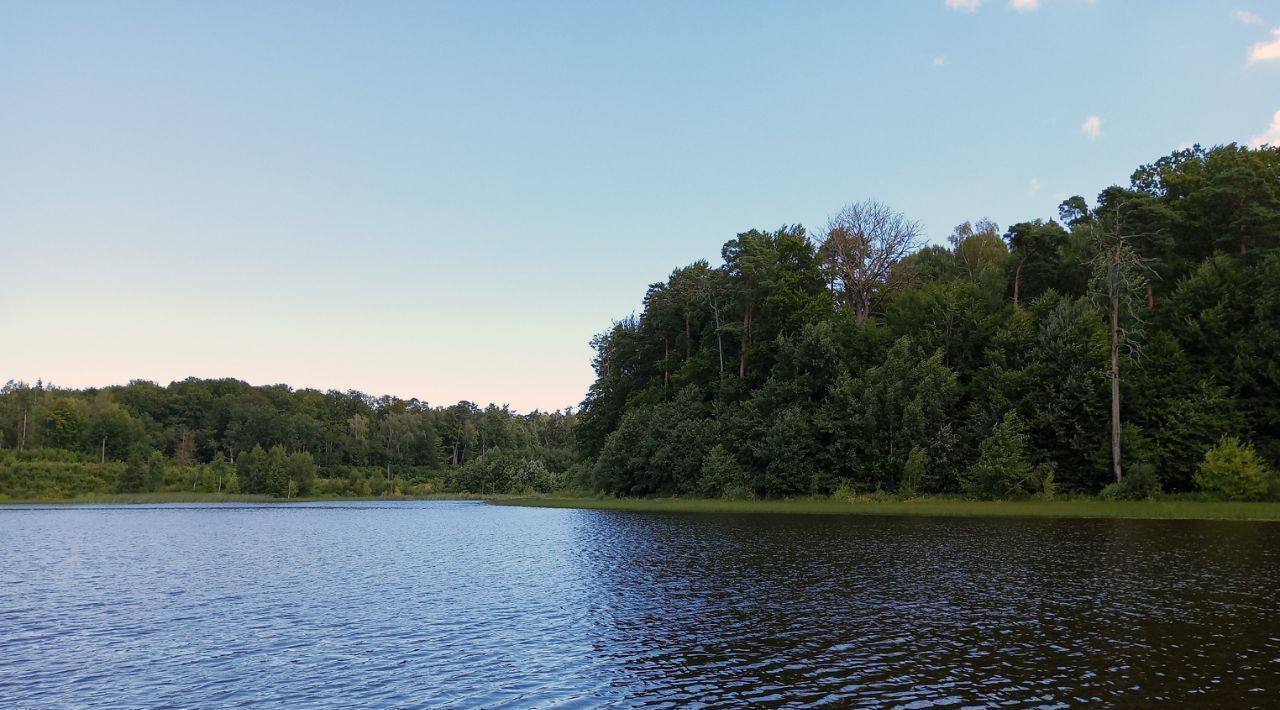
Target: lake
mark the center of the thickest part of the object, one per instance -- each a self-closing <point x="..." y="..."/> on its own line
<point x="466" y="604"/>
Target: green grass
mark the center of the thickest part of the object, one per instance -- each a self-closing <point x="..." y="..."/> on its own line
<point x="1067" y="508"/>
<point x="195" y="497"/>
<point x="159" y="497"/>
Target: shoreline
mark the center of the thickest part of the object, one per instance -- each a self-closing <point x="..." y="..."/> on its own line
<point x="925" y="507"/>
<point x="178" y="497"/>
<point x="915" y="507"/>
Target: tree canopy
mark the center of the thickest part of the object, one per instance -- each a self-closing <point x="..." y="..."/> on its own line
<point x="801" y="365"/>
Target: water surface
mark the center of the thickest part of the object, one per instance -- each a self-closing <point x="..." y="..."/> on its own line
<point x="465" y="604"/>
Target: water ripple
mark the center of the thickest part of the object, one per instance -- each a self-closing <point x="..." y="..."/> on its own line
<point x="466" y="605"/>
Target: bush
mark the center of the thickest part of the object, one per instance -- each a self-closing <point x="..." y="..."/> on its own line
<point x="578" y="477"/>
<point x="27" y="480"/>
<point x="51" y="455"/>
<point x="843" y="493"/>
<point x="721" y="476"/>
<point x="1002" y="468"/>
<point x="913" y="472"/>
<point x="496" y="472"/>
<point x="1140" y="482"/>
<point x="134" y="478"/>
<point x="1233" y="470"/>
<point x="1041" y="479"/>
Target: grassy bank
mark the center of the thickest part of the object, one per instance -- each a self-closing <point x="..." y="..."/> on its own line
<point x="1070" y="508"/>
<point x="197" y="497"/>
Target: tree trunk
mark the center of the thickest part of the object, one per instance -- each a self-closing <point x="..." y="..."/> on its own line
<point x="1115" y="368"/>
<point x="1017" y="279"/>
<point x="719" y="337"/>
<point x="1151" y="296"/>
<point x="863" y="311"/>
<point x="22" y="437"/>
<point x="104" y="450"/>
<point x="666" y="354"/>
<point x="746" y="341"/>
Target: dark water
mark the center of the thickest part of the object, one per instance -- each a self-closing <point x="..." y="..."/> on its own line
<point x="464" y="604"/>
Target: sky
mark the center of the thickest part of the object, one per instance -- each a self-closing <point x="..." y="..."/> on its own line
<point x="447" y="200"/>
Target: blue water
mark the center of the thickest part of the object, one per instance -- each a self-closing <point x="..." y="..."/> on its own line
<point x="470" y="605"/>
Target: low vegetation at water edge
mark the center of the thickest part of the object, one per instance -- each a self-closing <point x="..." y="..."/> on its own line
<point x="927" y="506"/>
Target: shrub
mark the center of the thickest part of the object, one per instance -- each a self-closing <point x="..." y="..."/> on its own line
<point x="1139" y="482"/>
<point x="1043" y="474"/>
<point x="843" y="493"/>
<point x="913" y="472"/>
<point x="721" y="476"/>
<point x="1233" y="470"/>
<point x="1002" y="467"/>
<point x="134" y="478"/>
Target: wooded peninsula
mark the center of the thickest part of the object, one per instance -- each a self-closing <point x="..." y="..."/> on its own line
<point x="1127" y="349"/>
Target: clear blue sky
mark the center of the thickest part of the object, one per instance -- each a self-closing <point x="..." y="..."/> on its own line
<point x="447" y="200"/>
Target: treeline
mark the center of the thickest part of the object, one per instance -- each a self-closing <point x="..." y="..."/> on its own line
<point x="1129" y="347"/>
<point x="858" y="359"/>
<point x="227" y="436"/>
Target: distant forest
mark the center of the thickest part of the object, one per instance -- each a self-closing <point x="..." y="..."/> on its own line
<point x="227" y="436"/>
<point x="1130" y="347"/>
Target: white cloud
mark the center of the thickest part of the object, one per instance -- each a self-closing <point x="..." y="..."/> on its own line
<point x="963" y="5"/>
<point x="1034" y="185"/>
<point x="1271" y="136"/>
<point x="1092" y="127"/>
<point x="1025" y="5"/>
<point x="1266" y="51"/>
<point x="1248" y="18"/>
<point x="939" y="60"/>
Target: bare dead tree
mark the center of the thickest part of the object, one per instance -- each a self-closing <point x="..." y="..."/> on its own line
<point x="863" y="243"/>
<point x="184" y="452"/>
<point x="1120" y="275"/>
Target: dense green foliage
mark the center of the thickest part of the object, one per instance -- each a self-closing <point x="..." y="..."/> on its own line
<point x="1234" y="470"/>
<point x="862" y="362"/>
<point x="212" y="436"/>
<point x="1002" y="468"/>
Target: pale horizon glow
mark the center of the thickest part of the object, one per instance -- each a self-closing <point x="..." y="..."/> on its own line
<point x="448" y="200"/>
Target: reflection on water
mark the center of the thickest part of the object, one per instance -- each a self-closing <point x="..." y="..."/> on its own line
<point x="466" y="604"/>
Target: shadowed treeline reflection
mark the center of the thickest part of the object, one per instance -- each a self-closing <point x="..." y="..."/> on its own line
<point x="464" y="604"/>
<point x="896" y="610"/>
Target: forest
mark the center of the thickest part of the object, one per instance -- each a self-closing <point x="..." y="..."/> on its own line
<point x="1127" y="348"/>
<point x="225" y="436"/>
